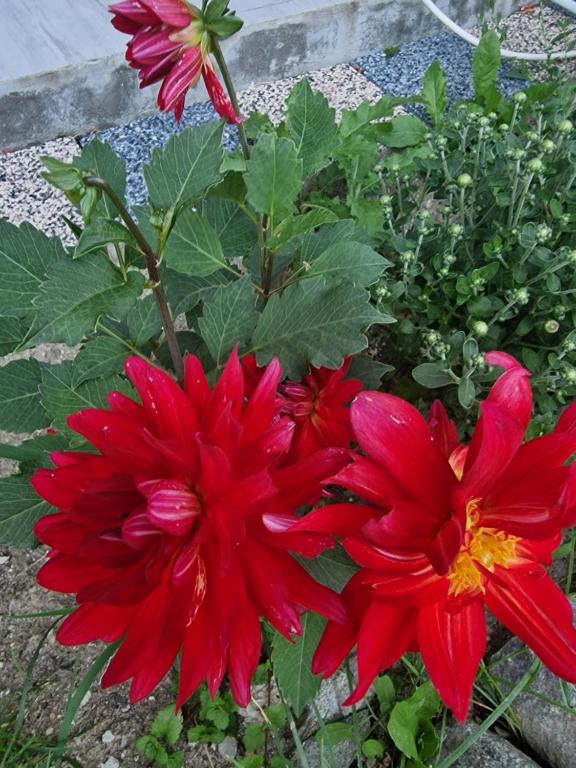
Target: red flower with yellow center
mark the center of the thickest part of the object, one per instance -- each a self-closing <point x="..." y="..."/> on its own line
<point x="447" y="530"/>
<point x="160" y="533"/>
<point x="170" y="43"/>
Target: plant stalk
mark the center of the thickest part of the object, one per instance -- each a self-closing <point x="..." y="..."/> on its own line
<point x="219" y="56"/>
<point x="153" y="273"/>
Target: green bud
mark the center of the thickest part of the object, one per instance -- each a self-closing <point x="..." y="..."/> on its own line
<point x="464" y="180"/>
<point x="520" y="97"/>
<point x="480" y="328"/>
<point x="535" y="165"/>
<point x="565" y="127"/>
<point x="551" y="326"/>
<point x="548" y="146"/>
<point x="542" y="233"/>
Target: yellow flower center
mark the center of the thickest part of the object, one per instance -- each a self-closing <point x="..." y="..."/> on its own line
<point x="483" y="548"/>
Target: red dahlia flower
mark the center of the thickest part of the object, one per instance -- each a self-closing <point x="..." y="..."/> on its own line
<point x="448" y="529"/>
<point x="160" y="534"/>
<point x="170" y="43"/>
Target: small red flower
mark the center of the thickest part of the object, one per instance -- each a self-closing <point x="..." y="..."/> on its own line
<point x="160" y="533"/>
<point x="169" y="43"/>
<point x="319" y="407"/>
<point x="447" y="529"/>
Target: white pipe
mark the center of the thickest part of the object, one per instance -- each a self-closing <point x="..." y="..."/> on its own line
<point x="568" y="5"/>
<point x="506" y="52"/>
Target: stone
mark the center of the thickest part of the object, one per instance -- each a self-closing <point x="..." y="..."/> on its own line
<point x="549" y="729"/>
<point x="490" y="751"/>
<point x="228" y="747"/>
<point x="110" y="763"/>
<point x="107" y="737"/>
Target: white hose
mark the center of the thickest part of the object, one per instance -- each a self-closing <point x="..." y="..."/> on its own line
<point x="507" y="53"/>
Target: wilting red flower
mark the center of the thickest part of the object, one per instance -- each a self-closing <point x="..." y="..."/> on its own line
<point x="169" y="43"/>
<point x="318" y="406"/>
<point x="160" y="534"/>
<point x="448" y="529"/>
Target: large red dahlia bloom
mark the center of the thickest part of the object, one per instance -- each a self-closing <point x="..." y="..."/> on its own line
<point x="169" y="43"/>
<point x="448" y="529"/>
<point x="160" y="533"/>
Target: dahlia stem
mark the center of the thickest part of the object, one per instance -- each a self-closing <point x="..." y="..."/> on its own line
<point x="153" y="273"/>
<point x="219" y="56"/>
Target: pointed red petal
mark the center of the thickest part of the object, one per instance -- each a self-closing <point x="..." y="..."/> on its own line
<point x="244" y="655"/>
<point x="452" y="646"/>
<point x="444" y="432"/>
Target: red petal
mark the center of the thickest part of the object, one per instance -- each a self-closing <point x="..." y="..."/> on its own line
<point x="183" y="76"/>
<point x="394" y="434"/>
<point x="218" y="97"/>
<point x="95" y="622"/>
<point x="195" y="384"/>
<point x="262" y="405"/>
<point x="336" y="519"/>
<point x="172" y="12"/>
<point x="151" y="44"/>
<point x="444" y="432"/>
<point x="369" y="481"/>
<point x="384" y="637"/>
<point x="452" y="646"/>
<point x="567" y="421"/>
<point x="537" y="611"/>
<point x="244" y="655"/>
<point x="512" y="390"/>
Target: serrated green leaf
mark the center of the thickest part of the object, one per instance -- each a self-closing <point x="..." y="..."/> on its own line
<point x="61" y="396"/>
<point x="315" y="244"/>
<point x="432" y="376"/>
<point x="333" y="568"/>
<point x="254" y="737"/>
<point x="99" y="234"/>
<point x="184" y="293"/>
<point x="193" y="247"/>
<point x="291" y="663"/>
<point x="236" y="232"/>
<point x="144" y="320"/>
<point x="276" y="715"/>
<point x="20" y="509"/>
<point x="274" y="176"/>
<point x="99" y="358"/>
<point x="311" y="124"/>
<point x="365" y="114"/>
<point x="20" y="407"/>
<point x="229" y="317"/>
<point x="25" y="256"/>
<point x="359" y="264"/>
<point x="486" y="67"/>
<point x="99" y="159"/>
<point x="333" y="734"/>
<point x="187" y="166"/>
<point x="402" y="131"/>
<point x="167" y="725"/>
<point x="76" y="294"/>
<point x="314" y="322"/>
<point x="434" y="92"/>
<point x="373" y="749"/>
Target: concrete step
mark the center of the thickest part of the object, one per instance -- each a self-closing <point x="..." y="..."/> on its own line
<point x="62" y="69"/>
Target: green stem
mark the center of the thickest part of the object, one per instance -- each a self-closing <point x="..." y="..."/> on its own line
<point x="219" y="56"/>
<point x="153" y="273"/>
<point x="294" y="731"/>
<point x="462" y="748"/>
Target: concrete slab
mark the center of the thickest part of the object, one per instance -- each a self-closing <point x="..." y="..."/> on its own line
<point x="62" y="70"/>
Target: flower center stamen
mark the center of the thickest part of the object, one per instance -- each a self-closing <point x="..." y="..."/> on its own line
<point x="483" y="548"/>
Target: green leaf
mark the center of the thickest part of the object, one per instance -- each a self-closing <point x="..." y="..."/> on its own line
<point x="485" y="68"/>
<point x="369" y="371"/>
<point x="296" y="226"/>
<point x="167" y="725"/>
<point x="385" y="693"/>
<point x="408" y="716"/>
<point x="236" y="232"/>
<point x="76" y="294"/>
<point x="466" y="393"/>
<point x="315" y="244"/>
<point x="432" y="376"/>
<point x="193" y="247"/>
<point x="99" y="358"/>
<point x="20" y="508"/>
<point x="314" y="322"/>
<point x="276" y="715"/>
<point x="187" y="166"/>
<point x="13" y="332"/>
<point x="373" y="749"/>
<point x="34" y="451"/>
<point x="311" y="123"/>
<point x="184" y="293"/>
<point x="144" y="320"/>
<point x="61" y="395"/>
<point x="20" y="406"/>
<point x="291" y="663"/>
<point x="365" y="114"/>
<point x="434" y="93"/>
<point x="99" y="234"/>
<point x="25" y="256"/>
<point x="254" y="737"/>
<point x="335" y="733"/>
<point x="333" y="568"/>
<point x="402" y="131"/>
<point x="359" y="264"/>
<point x="99" y="159"/>
<point x="229" y="317"/>
<point x="274" y="176"/>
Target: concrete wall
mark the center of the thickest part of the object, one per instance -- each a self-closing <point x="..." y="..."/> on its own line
<point x="64" y="75"/>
